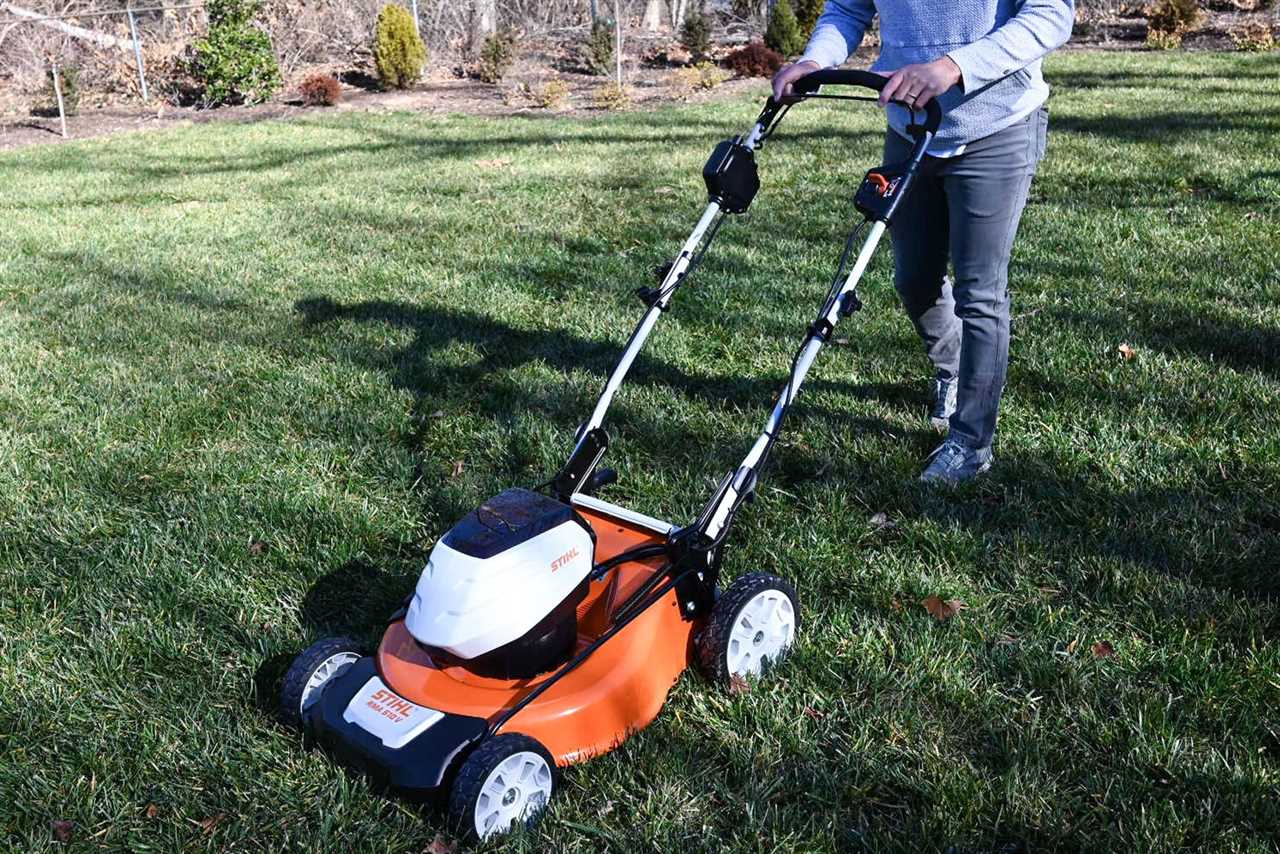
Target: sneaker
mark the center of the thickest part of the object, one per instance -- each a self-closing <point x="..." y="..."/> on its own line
<point x="944" y="404"/>
<point x="953" y="463"/>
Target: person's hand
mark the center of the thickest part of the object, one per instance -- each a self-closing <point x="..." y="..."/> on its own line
<point x="914" y="85"/>
<point x="789" y="74"/>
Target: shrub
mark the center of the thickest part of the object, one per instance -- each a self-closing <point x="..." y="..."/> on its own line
<point x="807" y="13"/>
<point x="320" y="90"/>
<point x="1160" y="40"/>
<point x="599" y="47"/>
<point x="69" y="82"/>
<point x="1173" y="17"/>
<point x="398" y="51"/>
<point x="611" y="96"/>
<point x="1253" y="36"/>
<point x="552" y="95"/>
<point x="783" y="33"/>
<point x="496" y="56"/>
<point x="695" y="32"/>
<point x="235" y="62"/>
<point x="704" y="75"/>
<point x="754" y="60"/>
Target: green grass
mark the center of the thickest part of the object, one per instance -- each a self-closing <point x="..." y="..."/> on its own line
<point x="240" y="362"/>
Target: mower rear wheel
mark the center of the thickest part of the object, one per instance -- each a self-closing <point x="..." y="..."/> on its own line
<point x="751" y="628"/>
<point x="314" y="668"/>
<point x="507" y="780"/>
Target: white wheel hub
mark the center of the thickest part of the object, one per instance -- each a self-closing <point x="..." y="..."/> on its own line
<point x="517" y="789"/>
<point x="329" y="669"/>
<point x="763" y="631"/>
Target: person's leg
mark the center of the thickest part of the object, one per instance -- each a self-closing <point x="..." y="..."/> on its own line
<point x="919" y="236"/>
<point x="986" y="190"/>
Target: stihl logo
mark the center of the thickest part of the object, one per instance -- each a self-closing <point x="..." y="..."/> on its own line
<point x="564" y="559"/>
<point x="390" y="706"/>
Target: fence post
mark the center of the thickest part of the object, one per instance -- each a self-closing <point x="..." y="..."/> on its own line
<point x="57" y="92"/>
<point x="137" y="53"/>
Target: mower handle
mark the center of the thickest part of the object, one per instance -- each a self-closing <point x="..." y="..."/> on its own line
<point x="808" y="85"/>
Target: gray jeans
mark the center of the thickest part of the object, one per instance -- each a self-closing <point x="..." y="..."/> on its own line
<point x="966" y="209"/>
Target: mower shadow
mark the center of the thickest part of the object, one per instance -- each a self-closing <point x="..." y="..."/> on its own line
<point x="505" y="347"/>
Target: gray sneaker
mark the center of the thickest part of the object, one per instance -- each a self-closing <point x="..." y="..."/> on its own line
<point x="944" y="404"/>
<point x="953" y="463"/>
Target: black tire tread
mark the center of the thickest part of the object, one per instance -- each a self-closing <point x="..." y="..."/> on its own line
<point x="299" y="672"/>
<point x="713" y="640"/>
<point x="478" y="765"/>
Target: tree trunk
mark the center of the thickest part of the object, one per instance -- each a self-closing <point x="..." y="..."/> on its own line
<point x="617" y="32"/>
<point x="678" y="9"/>
<point x="653" y="15"/>
<point x="486" y="16"/>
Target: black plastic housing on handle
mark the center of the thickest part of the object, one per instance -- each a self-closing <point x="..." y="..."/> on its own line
<point x="809" y="84"/>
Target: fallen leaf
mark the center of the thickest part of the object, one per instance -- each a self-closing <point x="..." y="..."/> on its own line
<point x="1127" y="353"/>
<point x="942" y="611"/>
<point x="496" y="163"/>
<point x="257" y="547"/>
<point x="881" y="520"/>
<point x="439" y="413"/>
<point x="1252" y="215"/>
<point x="440" y="845"/>
<point x="208" y="825"/>
<point x="840" y="341"/>
<point x="663" y="191"/>
<point x="895" y="604"/>
<point x="1103" y="649"/>
<point x="458" y="467"/>
<point x="1071" y="647"/>
<point x="152" y="811"/>
<point x="738" y="685"/>
<point x="62" y="829"/>
<point x="1006" y="640"/>
<point x="814" y="714"/>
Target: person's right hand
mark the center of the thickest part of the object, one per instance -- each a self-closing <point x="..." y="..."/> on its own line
<point x="789" y="74"/>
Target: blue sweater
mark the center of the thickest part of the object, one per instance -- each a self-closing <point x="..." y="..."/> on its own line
<point x="998" y="45"/>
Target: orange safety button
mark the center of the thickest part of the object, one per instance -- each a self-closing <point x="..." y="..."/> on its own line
<point x="881" y="183"/>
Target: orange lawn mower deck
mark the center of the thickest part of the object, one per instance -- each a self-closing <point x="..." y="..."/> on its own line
<point x="549" y="625"/>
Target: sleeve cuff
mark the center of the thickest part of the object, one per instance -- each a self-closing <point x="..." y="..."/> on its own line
<point x="973" y="73"/>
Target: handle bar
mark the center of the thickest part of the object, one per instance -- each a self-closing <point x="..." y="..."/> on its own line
<point x="808" y="85"/>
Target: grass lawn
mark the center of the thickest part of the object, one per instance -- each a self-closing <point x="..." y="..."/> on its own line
<point x="243" y="362"/>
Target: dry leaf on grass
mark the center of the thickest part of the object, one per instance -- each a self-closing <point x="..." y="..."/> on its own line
<point x="62" y="829"/>
<point x="1127" y="353"/>
<point x="210" y="824"/>
<point x="496" y="163"/>
<point x="881" y="520"/>
<point x="942" y="610"/>
<point x="257" y="547"/>
<point x="1103" y="649"/>
<point x="439" y="413"/>
<point x="458" y="468"/>
<point x="1071" y="647"/>
<point x="814" y="714"/>
<point x="738" y="685"/>
<point x="440" y="845"/>
<point x="152" y="811"/>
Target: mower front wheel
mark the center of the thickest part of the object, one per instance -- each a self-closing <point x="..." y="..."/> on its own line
<point x="506" y="781"/>
<point x="315" y="667"/>
<point x="751" y="628"/>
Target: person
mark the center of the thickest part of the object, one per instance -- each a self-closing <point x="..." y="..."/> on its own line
<point x="981" y="59"/>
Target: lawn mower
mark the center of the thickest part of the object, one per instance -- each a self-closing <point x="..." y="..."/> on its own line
<point x="550" y="624"/>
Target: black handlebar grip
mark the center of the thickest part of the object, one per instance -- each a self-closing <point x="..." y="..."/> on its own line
<point x="809" y="84"/>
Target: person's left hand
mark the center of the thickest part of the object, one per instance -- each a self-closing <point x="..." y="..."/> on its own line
<point x="916" y="84"/>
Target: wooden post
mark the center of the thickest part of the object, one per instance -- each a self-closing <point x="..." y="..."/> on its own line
<point x="137" y="54"/>
<point x="57" y="91"/>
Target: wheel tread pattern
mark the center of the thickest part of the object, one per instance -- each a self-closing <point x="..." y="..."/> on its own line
<point x="476" y="768"/>
<point x="299" y="673"/>
<point x="713" y="640"/>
